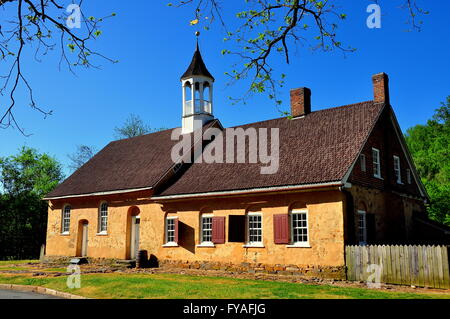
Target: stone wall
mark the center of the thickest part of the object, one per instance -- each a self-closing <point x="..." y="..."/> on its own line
<point x="314" y="271"/>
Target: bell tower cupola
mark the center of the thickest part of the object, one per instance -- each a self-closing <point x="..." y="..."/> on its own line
<point x="197" y="85"/>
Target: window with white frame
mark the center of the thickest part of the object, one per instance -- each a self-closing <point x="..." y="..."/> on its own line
<point x="376" y="162"/>
<point x="397" y="172"/>
<point x="254" y="229"/>
<point x="362" y="227"/>
<point x="299" y="227"/>
<point x="65" y="221"/>
<point x="362" y="160"/>
<point x="103" y="218"/>
<point x="206" y="229"/>
<point x="408" y="175"/>
<point x="170" y="230"/>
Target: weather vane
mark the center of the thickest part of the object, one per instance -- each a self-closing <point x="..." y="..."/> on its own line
<point x="197" y="34"/>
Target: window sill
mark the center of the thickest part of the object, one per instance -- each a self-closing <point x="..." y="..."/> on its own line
<point x="379" y="177"/>
<point x="65" y="234"/>
<point x="102" y="234"/>
<point x="170" y="245"/>
<point x="253" y="246"/>
<point x="305" y="245"/>
<point x="210" y="245"/>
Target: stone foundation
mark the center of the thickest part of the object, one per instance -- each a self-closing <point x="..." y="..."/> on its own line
<point x="312" y="271"/>
<point x="66" y="260"/>
<point x="323" y="272"/>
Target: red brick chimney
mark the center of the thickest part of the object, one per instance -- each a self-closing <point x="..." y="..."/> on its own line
<point x="380" y="83"/>
<point x="300" y="102"/>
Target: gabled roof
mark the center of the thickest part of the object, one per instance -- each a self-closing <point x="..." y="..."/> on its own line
<point x="126" y="165"/>
<point x="317" y="149"/>
<point x="131" y="163"/>
<point x="197" y="66"/>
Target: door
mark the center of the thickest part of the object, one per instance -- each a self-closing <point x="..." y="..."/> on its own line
<point x="84" y="242"/>
<point x="134" y="242"/>
<point x="136" y="237"/>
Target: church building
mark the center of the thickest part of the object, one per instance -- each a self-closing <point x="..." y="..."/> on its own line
<point x="343" y="175"/>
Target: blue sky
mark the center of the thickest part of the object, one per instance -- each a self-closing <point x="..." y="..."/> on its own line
<point x="154" y="44"/>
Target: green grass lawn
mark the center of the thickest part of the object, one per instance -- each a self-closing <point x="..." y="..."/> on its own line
<point x="186" y="287"/>
<point x="17" y="262"/>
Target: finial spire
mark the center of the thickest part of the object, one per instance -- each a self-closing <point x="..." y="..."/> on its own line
<point x="197" y="34"/>
<point x="197" y="66"/>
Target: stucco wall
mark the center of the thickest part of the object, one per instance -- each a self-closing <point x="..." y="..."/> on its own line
<point x="325" y="217"/>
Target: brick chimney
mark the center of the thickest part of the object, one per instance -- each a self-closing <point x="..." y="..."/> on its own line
<point x="300" y="102"/>
<point x="380" y="83"/>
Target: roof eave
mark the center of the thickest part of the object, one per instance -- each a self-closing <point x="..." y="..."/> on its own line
<point x="336" y="184"/>
<point x="113" y="192"/>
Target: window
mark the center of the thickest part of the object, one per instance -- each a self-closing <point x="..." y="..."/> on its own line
<point x="103" y="218"/>
<point x="376" y="163"/>
<point x="362" y="227"/>
<point x="362" y="160"/>
<point x="206" y="229"/>
<point x="171" y="230"/>
<point x="397" y="173"/>
<point x="237" y="225"/>
<point x="65" y="221"/>
<point x="299" y="227"/>
<point x="254" y="229"/>
<point x="408" y="176"/>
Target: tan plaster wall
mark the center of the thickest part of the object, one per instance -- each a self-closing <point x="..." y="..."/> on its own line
<point x="325" y="217"/>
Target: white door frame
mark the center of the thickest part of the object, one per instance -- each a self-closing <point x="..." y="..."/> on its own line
<point x="134" y="237"/>
<point x="84" y="239"/>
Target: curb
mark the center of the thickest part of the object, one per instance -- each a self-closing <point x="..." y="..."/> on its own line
<point x="41" y="290"/>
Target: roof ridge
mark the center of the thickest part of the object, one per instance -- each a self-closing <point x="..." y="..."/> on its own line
<point x="318" y="111"/>
<point x="152" y="133"/>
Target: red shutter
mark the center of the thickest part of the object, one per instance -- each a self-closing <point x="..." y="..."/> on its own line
<point x="218" y="230"/>
<point x="281" y="229"/>
<point x="176" y="229"/>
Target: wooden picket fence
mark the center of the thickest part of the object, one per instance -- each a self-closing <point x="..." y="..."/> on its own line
<point x="421" y="266"/>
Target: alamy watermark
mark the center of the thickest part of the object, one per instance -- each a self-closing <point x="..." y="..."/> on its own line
<point x="73" y="21"/>
<point x="374" y="19"/>
<point x="74" y="279"/>
<point x="231" y="145"/>
<point x="374" y="279"/>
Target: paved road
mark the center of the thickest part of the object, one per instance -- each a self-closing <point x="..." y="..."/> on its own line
<point x="14" y="294"/>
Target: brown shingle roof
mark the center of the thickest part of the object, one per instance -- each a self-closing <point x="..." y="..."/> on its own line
<point x="124" y="164"/>
<point x="133" y="163"/>
<point x="317" y="148"/>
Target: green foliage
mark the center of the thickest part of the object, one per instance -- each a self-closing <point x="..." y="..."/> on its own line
<point x="25" y="178"/>
<point x="430" y="147"/>
<point x="29" y="172"/>
<point x="134" y="126"/>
